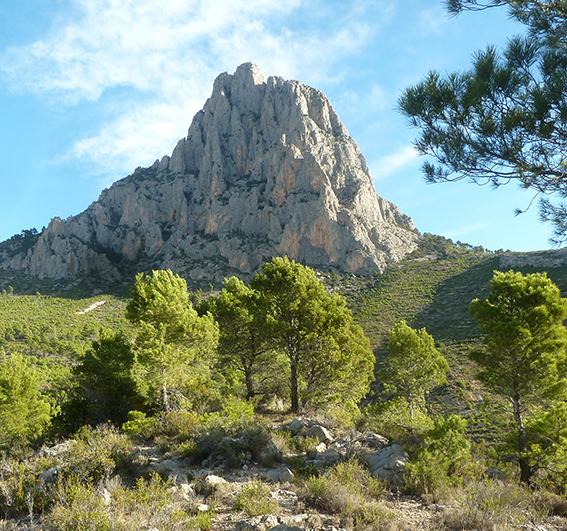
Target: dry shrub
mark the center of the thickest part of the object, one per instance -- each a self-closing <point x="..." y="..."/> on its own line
<point x="489" y="506"/>
<point x="255" y="499"/>
<point x="22" y="492"/>
<point x="100" y="453"/>
<point x="149" y="504"/>
<point x="549" y="503"/>
<point x="350" y="490"/>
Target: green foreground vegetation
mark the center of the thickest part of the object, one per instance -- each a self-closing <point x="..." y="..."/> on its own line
<point x="191" y="372"/>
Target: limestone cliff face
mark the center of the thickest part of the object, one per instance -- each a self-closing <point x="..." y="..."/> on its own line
<point x="267" y="169"/>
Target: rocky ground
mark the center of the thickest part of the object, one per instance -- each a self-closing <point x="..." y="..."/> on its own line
<point x="213" y="488"/>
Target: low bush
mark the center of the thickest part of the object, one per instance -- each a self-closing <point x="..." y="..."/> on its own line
<point x="443" y="462"/>
<point x="255" y="499"/>
<point x="149" y="504"/>
<point x="232" y="435"/>
<point x="22" y="492"/>
<point x="79" y="508"/>
<point x="549" y="503"/>
<point x="99" y="453"/>
<point x="177" y="425"/>
<point x="489" y="506"/>
<point x="350" y="490"/>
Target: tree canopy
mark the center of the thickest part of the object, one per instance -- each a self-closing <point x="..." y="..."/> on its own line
<point x="523" y="358"/>
<point x="414" y="366"/>
<point x="505" y="119"/>
<point x="329" y="357"/>
<point x="24" y="412"/>
<point x="244" y="346"/>
<point x="106" y="388"/>
<point x="174" y="344"/>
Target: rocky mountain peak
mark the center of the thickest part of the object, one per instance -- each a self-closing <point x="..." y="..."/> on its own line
<point x="267" y="169"/>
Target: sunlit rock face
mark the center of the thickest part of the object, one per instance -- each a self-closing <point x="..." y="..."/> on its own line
<point x="267" y="169"/>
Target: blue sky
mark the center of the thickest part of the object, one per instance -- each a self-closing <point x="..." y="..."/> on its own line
<point x="91" y="89"/>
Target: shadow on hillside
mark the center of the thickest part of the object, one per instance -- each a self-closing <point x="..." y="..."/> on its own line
<point x="448" y="317"/>
<point x="21" y="283"/>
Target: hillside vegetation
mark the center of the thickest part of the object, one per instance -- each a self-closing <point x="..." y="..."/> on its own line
<point x="85" y="351"/>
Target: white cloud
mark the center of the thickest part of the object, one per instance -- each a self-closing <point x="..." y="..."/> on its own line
<point x="458" y="233"/>
<point x="385" y="166"/>
<point x="135" y="138"/>
<point x="433" y="21"/>
<point x="167" y="54"/>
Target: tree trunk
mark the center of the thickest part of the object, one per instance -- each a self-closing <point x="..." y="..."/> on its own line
<point x="294" y="393"/>
<point x="165" y="399"/>
<point x="249" y="385"/>
<point x="526" y="470"/>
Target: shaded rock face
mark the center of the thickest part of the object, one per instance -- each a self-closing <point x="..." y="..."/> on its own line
<point x="267" y="169"/>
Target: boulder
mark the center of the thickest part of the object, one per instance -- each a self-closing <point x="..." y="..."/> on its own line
<point x="58" y="450"/>
<point x="282" y="474"/>
<point x="494" y="473"/>
<point x="286" y="475"/>
<point x="389" y="464"/>
<point x="270" y="454"/>
<point x="327" y="458"/>
<point x="207" y="485"/>
<point x="258" y="523"/>
<point x="320" y="433"/>
<point x="174" y="469"/>
<point x="296" y="426"/>
<point x="187" y="491"/>
<point x="50" y="475"/>
<point x="359" y="445"/>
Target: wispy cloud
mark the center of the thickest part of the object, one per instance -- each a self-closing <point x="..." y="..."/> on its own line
<point x="464" y="231"/>
<point x="385" y="166"/>
<point x="432" y="21"/>
<point x="168" y="58"/>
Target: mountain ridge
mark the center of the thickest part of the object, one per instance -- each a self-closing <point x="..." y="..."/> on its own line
<point x="267" y="169"/>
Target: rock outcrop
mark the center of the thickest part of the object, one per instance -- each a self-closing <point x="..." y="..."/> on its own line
<point x="267" y="169"/>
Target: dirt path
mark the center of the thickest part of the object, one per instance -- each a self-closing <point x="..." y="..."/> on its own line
<point x="91" y="307"/>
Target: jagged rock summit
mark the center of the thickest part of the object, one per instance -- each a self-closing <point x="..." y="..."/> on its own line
<point x="267" y="169"/>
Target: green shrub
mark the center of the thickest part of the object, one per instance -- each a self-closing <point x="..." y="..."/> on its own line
<point x="395" y="420"/>
<point x="21" y="490"/>
<point x="231" y="435"/>
<point x="99" y="453"/>
<point x="79" y="508"/>
<point x="139" y="425"/>
<point x="155" y="492"/>
<point x="350" y="490"/>
<point x="235" y="451"/>
<point x="347" y="414"/>
<point x="235" y="416"/>
<point x="202" y="521"/>
<point x="444" y="461"/>
<point x="255" y="500"/>
<point x="178" y="425"/>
